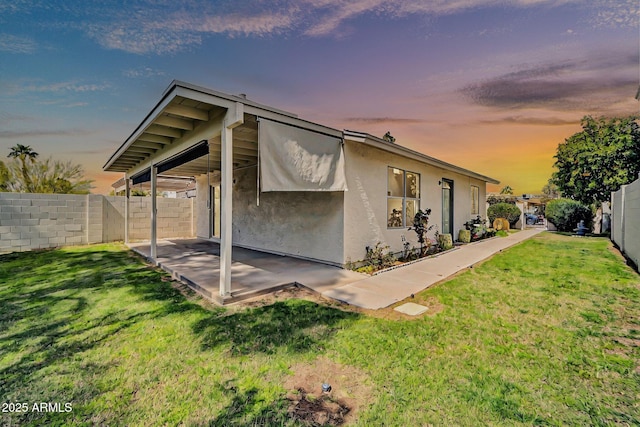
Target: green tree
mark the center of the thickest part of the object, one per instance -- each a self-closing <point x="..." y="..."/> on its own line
<point x="565" y="214"/>
<point x="54" y="176"/>
<point x="506" y="190"/>
<point x="35" y="176"/>
<point x="593" y="163"/>
<point x="24" y="152"/>
<point x="550" y="190"/>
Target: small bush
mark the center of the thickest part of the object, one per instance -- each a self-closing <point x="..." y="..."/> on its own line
<point x="504" y="210"/>
<point x="565" y="214"/>
<point x="379" y="257"/>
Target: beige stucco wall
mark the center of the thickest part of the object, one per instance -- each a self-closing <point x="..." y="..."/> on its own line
<point x="336" y="227"/>
<point x="302" y="224"/>
<point x="366" y="201"/>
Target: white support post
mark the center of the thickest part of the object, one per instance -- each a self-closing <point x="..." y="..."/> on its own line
<point x="233" y="118"/>
<point x="127" y="195"/>
<point x="154" y="213"/>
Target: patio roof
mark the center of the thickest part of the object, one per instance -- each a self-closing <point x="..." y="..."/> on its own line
<point x="182" y="114"/>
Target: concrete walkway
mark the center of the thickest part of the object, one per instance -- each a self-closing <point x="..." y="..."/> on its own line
<point x="392" y="286"/>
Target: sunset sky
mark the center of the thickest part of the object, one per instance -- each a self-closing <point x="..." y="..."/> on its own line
<point x="493" y="86"/>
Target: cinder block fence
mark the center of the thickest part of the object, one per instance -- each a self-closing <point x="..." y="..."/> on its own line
<point x="38" y="221"/>
<point x="625" y="220"/>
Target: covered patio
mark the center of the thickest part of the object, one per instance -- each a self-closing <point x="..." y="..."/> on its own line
<point x="196" y="262"/>
<point x="197" y="133"/>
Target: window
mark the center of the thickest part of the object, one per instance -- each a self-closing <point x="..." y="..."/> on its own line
<point x="475" y="200"/>
<point x="403" y="197"/>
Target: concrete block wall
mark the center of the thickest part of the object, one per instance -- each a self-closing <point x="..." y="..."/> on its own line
<point x="625" y="220"/>
<point x="113" y="218"/>
<point x="39" y="221"/>
<point x="94" y="219"/>
<point x="175" y="217"/>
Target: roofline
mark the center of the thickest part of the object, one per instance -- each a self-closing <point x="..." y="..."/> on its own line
<point x="256" y="107"/>
<point x="380" y="143"/>
<point x="248" y="103"/>
<point x="267" y="112"/>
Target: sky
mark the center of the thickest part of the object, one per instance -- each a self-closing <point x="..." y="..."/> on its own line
<point x="493" y="86"/>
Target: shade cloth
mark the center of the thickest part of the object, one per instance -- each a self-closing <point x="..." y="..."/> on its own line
<point x="296" y="159"/>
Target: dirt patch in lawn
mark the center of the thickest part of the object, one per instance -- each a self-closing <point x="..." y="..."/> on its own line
<point x="293" y="291"/>
<point x="300" y="292"/>
<point x="350" y="393"/>
<point x="615" y="251"/>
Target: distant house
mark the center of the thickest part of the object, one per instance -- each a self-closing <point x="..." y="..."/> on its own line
<point x="271" y="181"/>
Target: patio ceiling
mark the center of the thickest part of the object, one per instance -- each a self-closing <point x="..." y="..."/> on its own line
<point x="175" y="121"/>
<point x="245" y="151"/>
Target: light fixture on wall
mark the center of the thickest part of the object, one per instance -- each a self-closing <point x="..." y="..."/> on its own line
<point x="439" y="182"/>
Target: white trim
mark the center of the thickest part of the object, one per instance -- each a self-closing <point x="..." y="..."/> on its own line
<point x="127" y="197"/>
<point x="154" y="213"/>
<point x="233" y="118"/>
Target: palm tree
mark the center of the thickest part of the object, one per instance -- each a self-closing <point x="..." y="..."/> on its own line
<point x="24" y="152"/>
<point x="506" y="190"/>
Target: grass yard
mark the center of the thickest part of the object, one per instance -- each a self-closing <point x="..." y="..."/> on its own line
<point x="546" y="333"/>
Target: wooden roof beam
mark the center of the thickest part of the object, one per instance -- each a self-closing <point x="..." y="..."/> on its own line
<point x="155" y="139"/>
<point x="144" y="144"/>
<point x="236" y="150"/>
<point x="174" y="122"/>
<point x="164" y="131"/>
<point x="188" y="112"/>
<point x="136" y="149"/>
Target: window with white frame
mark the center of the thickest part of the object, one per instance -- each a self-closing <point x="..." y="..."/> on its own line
<point x="475" y="200"/>
<point x="403" y="197"/>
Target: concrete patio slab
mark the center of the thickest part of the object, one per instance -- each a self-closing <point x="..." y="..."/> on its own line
<point x="196" y="262"/>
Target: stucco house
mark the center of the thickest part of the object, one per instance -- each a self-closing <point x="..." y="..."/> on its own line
<point x="271" y="181"/>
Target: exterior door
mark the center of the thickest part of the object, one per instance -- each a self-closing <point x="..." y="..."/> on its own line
<point x="447" y="206"/>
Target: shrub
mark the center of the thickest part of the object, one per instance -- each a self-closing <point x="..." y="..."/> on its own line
<point x="565" y="214"/>
<point x="477" y="227"/>
<point x="379" y="257"/>
<point x="501" y="198"/>
<point x="421" y="227"/>
<point x="504" y="210"/>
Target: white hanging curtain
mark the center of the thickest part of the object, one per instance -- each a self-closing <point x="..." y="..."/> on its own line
<point x="295" y="159"/>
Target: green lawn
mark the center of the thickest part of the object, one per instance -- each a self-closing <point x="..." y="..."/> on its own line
<point x="546" y="333"/>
